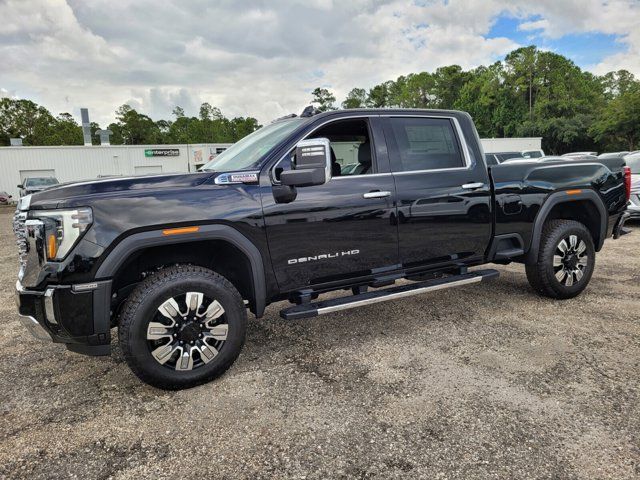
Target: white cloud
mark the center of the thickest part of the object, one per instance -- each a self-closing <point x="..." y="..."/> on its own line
<point x="615" y="17"/>
<point x="262" y="58"/>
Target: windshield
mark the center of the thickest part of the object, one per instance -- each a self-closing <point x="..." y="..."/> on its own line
<point x="633" y="162"/>
<point x="40" y="182"/>
<point x="247" y="152"/>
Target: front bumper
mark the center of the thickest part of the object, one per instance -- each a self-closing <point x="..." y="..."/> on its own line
<point x="78" y="315"/>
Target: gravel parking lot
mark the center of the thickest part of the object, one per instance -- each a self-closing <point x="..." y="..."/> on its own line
<point x="483" y="382"/>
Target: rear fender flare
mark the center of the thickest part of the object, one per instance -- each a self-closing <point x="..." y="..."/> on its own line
<point x="557" y="198"/>
<point x="152" y="238"/>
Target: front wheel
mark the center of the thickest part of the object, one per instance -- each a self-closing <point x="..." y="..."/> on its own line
<point x="566" y="259"/>
<point x="182" y="326"/>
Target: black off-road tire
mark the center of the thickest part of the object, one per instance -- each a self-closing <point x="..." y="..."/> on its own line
<point x="542" y="274"/>
<point x="141" y="306"/>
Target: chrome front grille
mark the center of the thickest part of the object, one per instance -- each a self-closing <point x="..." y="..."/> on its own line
<point x="19" y="228"/>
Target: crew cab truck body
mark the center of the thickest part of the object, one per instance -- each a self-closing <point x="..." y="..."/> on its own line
<point x="174" y="261"/>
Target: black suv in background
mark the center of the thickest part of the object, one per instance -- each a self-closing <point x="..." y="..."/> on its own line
<point x="352" y="199"/>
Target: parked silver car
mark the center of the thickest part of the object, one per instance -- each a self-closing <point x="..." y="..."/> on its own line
<point x="633" y="162"/>
<point x="36" y="184"/>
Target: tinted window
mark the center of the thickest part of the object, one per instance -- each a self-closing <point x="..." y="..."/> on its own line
<point x="426" y="143"/>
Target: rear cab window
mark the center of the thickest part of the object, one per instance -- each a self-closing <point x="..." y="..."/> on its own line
<point x="425" y="144"/>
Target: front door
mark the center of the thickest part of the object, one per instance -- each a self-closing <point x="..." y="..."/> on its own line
<point x="444" y="195"/>
<point x="343" y="229"/>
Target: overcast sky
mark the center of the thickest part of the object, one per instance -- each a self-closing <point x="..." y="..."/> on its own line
<point x="262" y="58"/>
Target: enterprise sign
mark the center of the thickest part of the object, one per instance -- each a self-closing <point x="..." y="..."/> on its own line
<point x="162" y="152"/>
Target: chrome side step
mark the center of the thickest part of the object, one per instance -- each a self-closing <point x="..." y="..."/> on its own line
<point x="344" y="303"/>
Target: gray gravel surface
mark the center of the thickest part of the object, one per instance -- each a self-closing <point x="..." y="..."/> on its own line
<point x="482" y="382"/>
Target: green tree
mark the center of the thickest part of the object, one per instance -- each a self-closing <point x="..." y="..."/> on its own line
<point x="618" y="126"/>
<point x="617" y="83"/>
<point x="378" y="96"/>
<point x="65" y="131"/>
<point x="134" y="128"/>
<point x="27" y="120"/>
<point x="417" y="92"/>
<point x="447" y="84"/>
<point x="496" y="108"/>
<point x="323" y="99"/>
<point x="356" y="98"/>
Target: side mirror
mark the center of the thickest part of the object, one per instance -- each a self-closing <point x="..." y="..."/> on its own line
<point x="20" y="186"/>
<point x="312" y="165"/>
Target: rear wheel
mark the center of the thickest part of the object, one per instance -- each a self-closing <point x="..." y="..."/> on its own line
<point x="566" y="259"/>
<point x="182" y="327"/>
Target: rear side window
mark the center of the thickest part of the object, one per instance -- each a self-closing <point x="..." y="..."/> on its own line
<point x="426" y="143"/>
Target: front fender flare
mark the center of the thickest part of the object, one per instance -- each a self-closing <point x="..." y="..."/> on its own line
<point x="152" y="238"/>
<point x="557" y="198"/>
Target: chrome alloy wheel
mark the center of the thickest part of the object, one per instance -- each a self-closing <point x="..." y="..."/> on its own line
<point x="570" y="260"/>
<point x="187" y="331"/>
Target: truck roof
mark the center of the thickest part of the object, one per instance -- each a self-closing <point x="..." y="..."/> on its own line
<point x="310" y="113"/>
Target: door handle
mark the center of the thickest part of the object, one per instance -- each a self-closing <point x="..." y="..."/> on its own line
<point x="473" y="186"/>
<point x="377" y="194"/>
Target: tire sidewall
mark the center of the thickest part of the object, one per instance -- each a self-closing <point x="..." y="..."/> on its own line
<point x="549" y="250"/>
<point x="137" y="346"/>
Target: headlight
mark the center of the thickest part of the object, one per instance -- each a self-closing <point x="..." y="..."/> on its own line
<point x="63" y="229"/>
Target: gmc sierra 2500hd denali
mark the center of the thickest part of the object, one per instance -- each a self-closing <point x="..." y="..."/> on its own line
<point x="342" y="200"/>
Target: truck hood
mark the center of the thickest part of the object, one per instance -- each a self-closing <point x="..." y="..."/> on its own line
<point x="66" y="191"/>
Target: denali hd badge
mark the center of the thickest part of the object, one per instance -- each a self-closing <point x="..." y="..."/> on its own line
<point x="323" y="256"/>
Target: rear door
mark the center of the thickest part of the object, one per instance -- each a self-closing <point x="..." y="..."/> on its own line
<point x="443" y="192"/>
<point x="343" y="229"/>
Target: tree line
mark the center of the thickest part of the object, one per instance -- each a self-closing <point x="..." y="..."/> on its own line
<point x="531" y="93"/>
<point x="37" y="126"/>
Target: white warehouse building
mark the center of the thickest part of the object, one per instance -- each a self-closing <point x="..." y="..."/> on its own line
<point x="496" y="145"/>
<point x="75" y="163"/>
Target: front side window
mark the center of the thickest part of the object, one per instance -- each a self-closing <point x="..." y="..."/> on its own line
<point x="426" y="144"/>
<point x="351" y="149"/>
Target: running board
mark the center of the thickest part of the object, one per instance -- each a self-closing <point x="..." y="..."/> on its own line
<point x="344" y="303"/>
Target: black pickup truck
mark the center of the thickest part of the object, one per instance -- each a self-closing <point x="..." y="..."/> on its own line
<point x="343" y="200"/>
